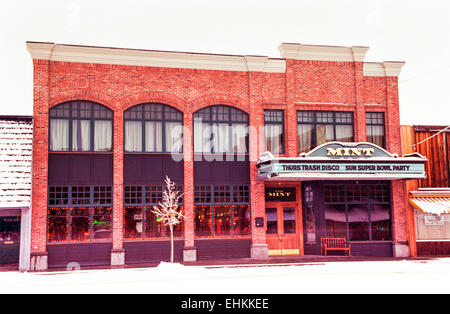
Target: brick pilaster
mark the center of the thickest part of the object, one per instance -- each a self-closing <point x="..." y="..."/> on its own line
<point x="40" y="165"/>
<point x="118" y="187"/>
<point x="360" y="112"/>
<point x="256" y="123"/>
<point x="290" y="124"/>
<point x="188" y="196"/>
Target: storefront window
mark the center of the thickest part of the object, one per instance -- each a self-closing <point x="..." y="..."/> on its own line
<point x="81" y="219"/>
<point x="177" y="229"/>
<point x="80" y="222"/>
<point x="202" y="220"/>
<point x="241" y="220"/>
<point x="359" y="212"/>
<point x="431" y="227"/>
<point x="358" y="222"/>
<point x="133" y="222"/>
<point x="9" y="229"/>
<point x="222" y="220"/>
<point x="101" y="223"/>
<point x="380" y="222"/>
<point x="335" y="220"/>
<point x="216" y="216"/>
<point x="140" y="222"/>
<point x="58" y="219"/>
<point x="154" y="227"/>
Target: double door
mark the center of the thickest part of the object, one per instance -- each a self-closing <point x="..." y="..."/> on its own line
<point x="283" y="228"/>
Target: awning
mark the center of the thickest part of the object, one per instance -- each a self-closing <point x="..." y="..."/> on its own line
<point x="431" y="201"/>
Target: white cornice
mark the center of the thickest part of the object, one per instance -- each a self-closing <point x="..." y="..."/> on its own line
<point x="373" y="69"/>
<point x="386" y="68"/>
<point x="152" y="58"/>
<point x="393" y="68"/>
<point x="204" y="61"/>
<point x="322" y="53"/>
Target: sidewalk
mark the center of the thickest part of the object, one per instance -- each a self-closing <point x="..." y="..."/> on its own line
<point x="247" y="262"/>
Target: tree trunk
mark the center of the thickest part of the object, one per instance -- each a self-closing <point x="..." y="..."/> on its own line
<point x="171" y="243"/>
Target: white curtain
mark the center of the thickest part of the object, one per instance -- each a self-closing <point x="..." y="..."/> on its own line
<point x="239" y="138"/>
<point x="102" y="135"/>
<point x="325" y="133"/>
<point x="375" y="134"/>
<point x="174" y="137"/>
<point x="344" y="133"/>
<point x="133" y="136"/>
<point x="305" y="137"/>
<point x="59" y="135"/>
<point x="81" y="140"/>
<point x="220" y="137"/>
<point x="273" y="133"/>
<point x="202" y="137"/>
<point x="153" y="136"/>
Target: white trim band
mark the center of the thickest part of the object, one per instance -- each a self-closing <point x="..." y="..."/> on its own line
<point x="153" y="58"/>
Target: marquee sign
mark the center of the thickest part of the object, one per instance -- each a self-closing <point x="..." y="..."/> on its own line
<point x="336" y="160"/>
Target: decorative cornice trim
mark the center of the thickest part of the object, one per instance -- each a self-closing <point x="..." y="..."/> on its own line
<point x="386" y="68"/>
<point x="205" y="61"/>
<point x="153" y="58"/>
<point x="373" y="69"/>
<point x="322" y="53"/>
<point x="393" y="68"/>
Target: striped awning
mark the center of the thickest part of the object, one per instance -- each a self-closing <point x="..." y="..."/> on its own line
<point x="436" y="204"/>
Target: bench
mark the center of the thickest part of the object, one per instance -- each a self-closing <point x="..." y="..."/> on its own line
<point x="334" y="244"/>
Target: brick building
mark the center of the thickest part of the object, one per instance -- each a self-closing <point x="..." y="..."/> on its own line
<point x="111" y="123"/>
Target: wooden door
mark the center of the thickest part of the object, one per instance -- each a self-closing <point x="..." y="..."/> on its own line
<point x="283" y="228"/>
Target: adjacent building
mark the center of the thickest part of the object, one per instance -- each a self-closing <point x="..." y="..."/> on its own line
<point x="271" y="154"/>
<point x="16" y="136"/>
<point x="428" y="199"/>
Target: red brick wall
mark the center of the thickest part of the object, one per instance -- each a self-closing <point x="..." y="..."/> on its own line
<point x="308" y="85"/>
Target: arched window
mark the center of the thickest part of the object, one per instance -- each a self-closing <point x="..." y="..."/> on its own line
<point x="81" y="126"/>
<point x="153" y="127"/>
<point x="220" y="129"/>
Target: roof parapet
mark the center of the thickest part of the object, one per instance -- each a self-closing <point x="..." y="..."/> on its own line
<point x="322" y="53"/>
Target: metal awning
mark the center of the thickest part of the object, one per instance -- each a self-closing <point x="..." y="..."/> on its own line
<point x="432" y="201"/>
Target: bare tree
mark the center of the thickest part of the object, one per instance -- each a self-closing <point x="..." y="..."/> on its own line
<point x="169" y="210"/>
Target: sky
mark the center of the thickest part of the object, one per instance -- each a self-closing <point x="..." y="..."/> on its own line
<point x="417" y="32"/>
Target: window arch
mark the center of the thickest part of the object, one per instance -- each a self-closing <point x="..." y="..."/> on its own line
<point x="153" y="127"/>
<point x="220" y="129"/>
<point x="81" y="126"/>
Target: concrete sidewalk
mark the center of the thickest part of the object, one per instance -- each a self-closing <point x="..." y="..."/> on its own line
<point x="247" y="262"/>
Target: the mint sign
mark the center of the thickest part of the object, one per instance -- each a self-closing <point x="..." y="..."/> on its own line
<point x="347" y="167"/>
<point x="343" y="160"/>
<point x="282" y="194"/>
<point x="350" y="150"/>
